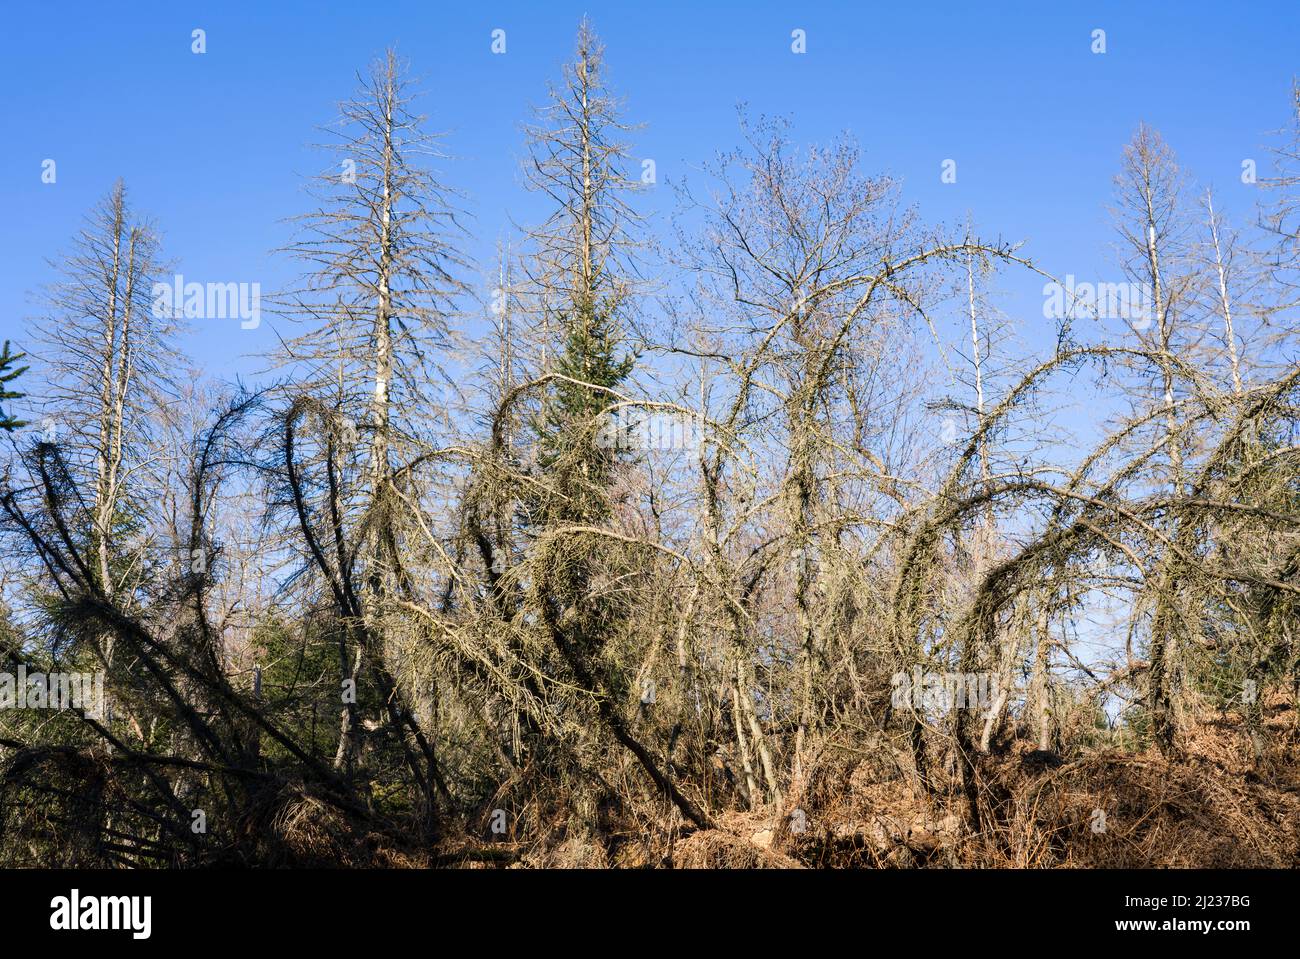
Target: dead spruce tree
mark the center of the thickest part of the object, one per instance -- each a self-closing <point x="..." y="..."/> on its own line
<point x="582" y="275"/>
<point x="382" y="260"/>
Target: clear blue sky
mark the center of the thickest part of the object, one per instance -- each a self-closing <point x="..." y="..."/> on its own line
<point x="214" y="146"/>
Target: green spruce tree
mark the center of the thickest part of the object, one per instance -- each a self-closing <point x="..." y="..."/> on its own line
<point x="7" y="375"/>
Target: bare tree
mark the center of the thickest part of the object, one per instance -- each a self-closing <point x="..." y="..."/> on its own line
<point x="382" y="260"/>
<point x="106" y="355"/>
<point x="1153" y="225"/>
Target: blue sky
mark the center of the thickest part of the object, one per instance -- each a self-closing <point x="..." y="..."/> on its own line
<point x="214" y="146"/>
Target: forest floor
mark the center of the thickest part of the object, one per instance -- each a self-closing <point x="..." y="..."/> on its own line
<point x="1226" y="802"/>
<point x="1229" y="801"/>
